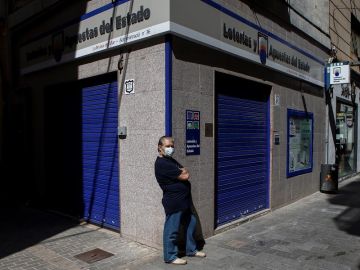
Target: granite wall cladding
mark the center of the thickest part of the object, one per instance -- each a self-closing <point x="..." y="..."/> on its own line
<point x="141" y="212"/>
<point x="142" y="113"/>
<point x="193" y="88"/>
<point x="285" y="190"/>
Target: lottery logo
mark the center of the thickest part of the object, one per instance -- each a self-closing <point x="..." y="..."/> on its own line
<point x="337" y="71"/>
<point x="263" y="42"/>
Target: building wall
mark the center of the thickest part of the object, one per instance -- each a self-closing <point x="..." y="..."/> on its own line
<point x="141" y="211"/>
<point x="37" y="83"/>
<point x="355" y="35"/>
<point x="355" y="5"/>
<point x="1" y="121"/>
<point x="341" y="31"/>
<point x="4" y="74"/>
<point x="193" y="88"/>
<point x="283" y="25"/>
<point x="285" y="190"/>
<point x="23" y="10"/>
<point x="20" y="21"/>
<point x="355" y="46"/>
<point x="311" y="17"/>
<point x="143" y="113"/>
<point x="341" y="13"/>
<point x="194" y="69"/>
<point x="340" y="27"/>
<point x="308" y="20"/>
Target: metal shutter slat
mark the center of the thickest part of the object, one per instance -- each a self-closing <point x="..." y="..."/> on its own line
<point x="242" y="159"/>
<point x="100" y="155"/>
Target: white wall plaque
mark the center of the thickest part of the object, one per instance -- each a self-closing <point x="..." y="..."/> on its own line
<point x="339" y="73"/>
<point x="129" y="87"/>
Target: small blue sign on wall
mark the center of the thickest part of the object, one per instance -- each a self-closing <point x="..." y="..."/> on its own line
<point x="192" y="132"/>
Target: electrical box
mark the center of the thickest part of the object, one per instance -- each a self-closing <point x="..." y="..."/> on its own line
<point x="276" y="138"/>
<point x="208" y="130"/>
<point x="122" y="132"/>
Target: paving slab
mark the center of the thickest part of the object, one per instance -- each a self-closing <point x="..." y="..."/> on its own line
<point x="321" y="231"/>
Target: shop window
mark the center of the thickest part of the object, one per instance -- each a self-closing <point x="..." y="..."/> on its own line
<point x="345" y="138"/>
<point x="299" y="142"/>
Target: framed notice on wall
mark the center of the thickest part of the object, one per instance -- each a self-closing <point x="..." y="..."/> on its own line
<point x="300" y="126"/>
<point x="192" y="132"/>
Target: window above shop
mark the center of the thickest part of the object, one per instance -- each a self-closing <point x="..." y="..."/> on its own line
<point x="355" y="37"/>
<point x="309" y="17"/>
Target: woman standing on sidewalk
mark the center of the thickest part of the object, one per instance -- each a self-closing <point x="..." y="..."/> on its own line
<point x="173" y="179"/>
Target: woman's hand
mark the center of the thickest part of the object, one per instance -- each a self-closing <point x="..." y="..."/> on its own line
<point x="184" y="176"/>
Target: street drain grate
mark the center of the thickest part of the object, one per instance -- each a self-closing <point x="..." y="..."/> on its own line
<point x="94" y="255"/>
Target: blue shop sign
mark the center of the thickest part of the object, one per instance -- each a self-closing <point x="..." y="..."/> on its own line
<point x="192" y="132"/>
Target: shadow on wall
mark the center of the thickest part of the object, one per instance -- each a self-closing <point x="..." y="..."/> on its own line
<point x="44" y="155"/>
<point x="349" y="219"/>
<point x="279" y="10"/>
<point x="41" y="38"/>
<point x="21" y="185"/>
<point x="81" y="147"/>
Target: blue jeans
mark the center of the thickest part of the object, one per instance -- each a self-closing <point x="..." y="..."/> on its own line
<point x="171" y="233"/>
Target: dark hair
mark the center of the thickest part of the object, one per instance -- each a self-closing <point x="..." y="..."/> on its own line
<point x="162" y="139"/>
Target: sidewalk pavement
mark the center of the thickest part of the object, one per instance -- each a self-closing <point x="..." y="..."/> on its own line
<point x="321" y="231"/>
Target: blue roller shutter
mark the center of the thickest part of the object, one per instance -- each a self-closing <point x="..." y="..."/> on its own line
<point x="241" y="156"/>
<point x="100" y="162"/>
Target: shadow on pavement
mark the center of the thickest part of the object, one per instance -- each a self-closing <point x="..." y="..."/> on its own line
<point x="349" y="219"/>
<point x="24" y="227"/>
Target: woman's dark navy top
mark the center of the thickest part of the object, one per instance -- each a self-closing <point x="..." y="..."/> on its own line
<point x="176" y="193"/>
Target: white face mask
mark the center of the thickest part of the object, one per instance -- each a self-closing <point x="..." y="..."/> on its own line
<point x="169" y="151"/>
